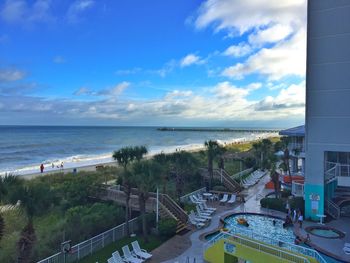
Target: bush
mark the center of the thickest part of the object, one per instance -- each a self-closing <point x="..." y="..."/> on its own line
<point x="273" y="203"/>
<point x="150" y="219"/>
<point x="286" y="193"/>
<point x="188" y="207"/>
<point x="167" y="227"/>
<point x="297" y="203"/>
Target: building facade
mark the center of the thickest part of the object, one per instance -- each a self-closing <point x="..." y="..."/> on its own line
<point x="327" y="103"/>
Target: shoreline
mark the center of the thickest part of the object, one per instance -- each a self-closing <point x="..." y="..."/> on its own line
<point x="106" y="159"/>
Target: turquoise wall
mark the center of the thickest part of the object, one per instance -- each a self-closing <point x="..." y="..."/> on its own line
<point x="314" y="191"/>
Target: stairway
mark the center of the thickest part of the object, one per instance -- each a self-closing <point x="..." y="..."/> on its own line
<point x="227" y="180"/>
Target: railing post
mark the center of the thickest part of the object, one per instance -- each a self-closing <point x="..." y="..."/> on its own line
<point x="78" y="251"/>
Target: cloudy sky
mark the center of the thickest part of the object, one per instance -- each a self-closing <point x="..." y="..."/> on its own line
<point x="156" y="62"/>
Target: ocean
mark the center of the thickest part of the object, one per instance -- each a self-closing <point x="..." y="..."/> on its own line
<point x="24" y="148"/>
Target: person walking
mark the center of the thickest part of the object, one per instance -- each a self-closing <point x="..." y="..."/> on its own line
<point x="300" y="220"/>
<point x="294" y="215"/>
<point x="42" y="168"/>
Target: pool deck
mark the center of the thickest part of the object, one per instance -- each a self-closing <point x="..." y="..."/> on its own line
<point x="190" y="245"/>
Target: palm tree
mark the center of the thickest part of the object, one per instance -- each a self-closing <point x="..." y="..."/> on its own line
<point x="146" y="175"/>
<point x="213" y="150"/>
<point x="275" y="179"/>
<point x="124" y="156"/>
<point x="30" y="201"/>
<point x="181" y="163"/>
<point x="163" y="160"/>
<point x="258" y="153"/>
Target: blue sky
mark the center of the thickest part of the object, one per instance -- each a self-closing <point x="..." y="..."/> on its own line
<point x="193" y="63"/>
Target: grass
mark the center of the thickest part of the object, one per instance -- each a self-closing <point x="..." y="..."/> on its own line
<point x="106" y="252"/>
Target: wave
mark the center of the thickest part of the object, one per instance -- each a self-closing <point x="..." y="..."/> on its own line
<point x="79" y="161"/>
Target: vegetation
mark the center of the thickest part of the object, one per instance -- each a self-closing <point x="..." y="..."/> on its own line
<point x="214" y="150"/>
<point x="167" y="227"/>
<point x="124" y="156"/>
<point x="280" y="203"/>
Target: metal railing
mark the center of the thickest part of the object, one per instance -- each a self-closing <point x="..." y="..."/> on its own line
<point x="334" y="169"/>
<point x="332" y="208"/>
<point x="240" y="174"/>
<point x="90" y="246"/>
<point x="234" y="231"/>
<point x="186" y="198"/>
<point x="298" y="188"/>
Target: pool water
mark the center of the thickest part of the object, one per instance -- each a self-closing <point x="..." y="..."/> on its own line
<point x="324" y="233"/>
<point x="264" y="226"/>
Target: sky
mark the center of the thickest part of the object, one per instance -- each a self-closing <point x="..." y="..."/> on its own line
<point x="231" y="63"/>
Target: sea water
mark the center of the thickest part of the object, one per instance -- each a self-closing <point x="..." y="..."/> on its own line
<point x="24" y="148"/>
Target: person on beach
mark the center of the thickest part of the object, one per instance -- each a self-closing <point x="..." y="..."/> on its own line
<point x="62" y="165"/>
<point x="42" y="168"/>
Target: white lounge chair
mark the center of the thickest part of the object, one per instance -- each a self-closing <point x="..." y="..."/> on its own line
<point x="194" y="222"/>
<point x="194" y="200"/>
<point x="224" y="198"/>
<point x="347" y="245"/>
<point x="209" y="208"/>
<point x="232" y="199"/>
<point x="204" y="210"/>
<point x="346" y="250"/>
<point x="117" y="258"/>
<point x="140" y="252"/>
<point x="198" y="200"/>
<point x="111" y="260"/>
<point x="202" y="214"/>
<point x="129" y="256"/>
<point x="198" y="218"/>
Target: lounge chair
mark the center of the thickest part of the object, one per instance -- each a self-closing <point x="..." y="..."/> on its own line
<point x="198" y="218"/>
<point x="224" y="198"/>
<point x="111" y="260"/>
<point x="140" y="252"/>
<point x="204" y="210"/>
<point x="129" y="257"/>
<point x="198" y="200"/>
<point x="346" y="250"/>
<point x="232" y="199"/>
<point x="209" y="208"/>
<point x="194" y="200"/>
<point x="347" y="245"/>
<point x="194" y="222"/>
<point x="117" y="258"/>
<point x="202" y="214"/>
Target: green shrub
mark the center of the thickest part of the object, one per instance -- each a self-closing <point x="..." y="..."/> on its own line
<point x="167" y="227"/>
<point x="273" y="203"/>
<point x="286" y="193"/>
<point x="188" y="207"/>
<point x="150" y="219"/>
<point x="297" y="203"/>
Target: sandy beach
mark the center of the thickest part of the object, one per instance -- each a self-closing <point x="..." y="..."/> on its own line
<point x="92" y="165"/>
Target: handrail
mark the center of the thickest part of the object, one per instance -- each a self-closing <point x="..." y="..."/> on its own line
<point x="275" y="242"/>
<point x="332" y="208"/>
<point x="174" y="207"/>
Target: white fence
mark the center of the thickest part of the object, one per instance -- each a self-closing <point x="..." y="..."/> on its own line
<point x="240" y="174"/>
<point x="88" y="247"/>
<point x="186" y="198"/>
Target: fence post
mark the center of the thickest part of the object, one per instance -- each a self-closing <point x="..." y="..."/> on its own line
<point x="78" y="251"/>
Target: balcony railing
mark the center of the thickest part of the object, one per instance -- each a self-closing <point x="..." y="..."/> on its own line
<point x="298" y="188"/>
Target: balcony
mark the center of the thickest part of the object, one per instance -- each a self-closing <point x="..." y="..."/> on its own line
<point x="298" y="188"/>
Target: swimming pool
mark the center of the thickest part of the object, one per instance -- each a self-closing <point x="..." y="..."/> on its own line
<point x="262" y="225"/>
<point x="325" y="232"/>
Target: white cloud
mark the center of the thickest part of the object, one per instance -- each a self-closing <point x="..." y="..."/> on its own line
<point x="83" y="91"/>
<point x="270" y="35"/>
<point x="239" y="50"/>
<point x="284" y="59"/>
<point x="116" y="90"/>
<point x="178" y="94"/>
<point x="190" y="59"/>
<point x="77" y="8"/>
<point x="280" y="23"/>
<point x="290" y="100"/>
<point x="59" y="60"/>
<point x="11" y="75"/>
<point x="20" y="11"/>
<point x="242" y="16"/>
